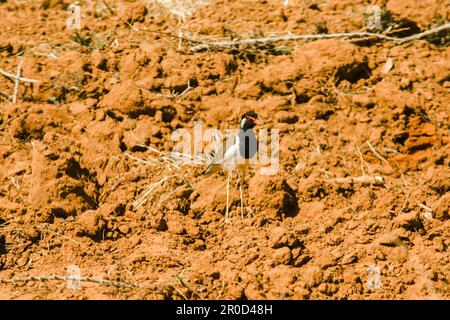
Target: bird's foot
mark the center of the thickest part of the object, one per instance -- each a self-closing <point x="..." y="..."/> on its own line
<point x="248" y="212"/>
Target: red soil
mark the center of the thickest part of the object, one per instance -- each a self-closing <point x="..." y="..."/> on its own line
<point x="68" y="181"/>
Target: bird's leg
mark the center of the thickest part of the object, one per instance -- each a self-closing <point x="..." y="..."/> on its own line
<point x="241" y="191"/>
<point x="227" y="219"/>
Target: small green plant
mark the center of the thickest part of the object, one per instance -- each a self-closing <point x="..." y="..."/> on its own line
<point x="90" y="41"/>
<point x="281" y="50"/>
<point x="101" y="43"/>
<point x="82" y="40"/>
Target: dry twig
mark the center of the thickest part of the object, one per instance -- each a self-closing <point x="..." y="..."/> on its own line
<point x="404" y="203"/>
<point x="358" y="151"/>
<point x="14" y="77"/>
<point x="74" y="278"/>
<point x="119" y="284"/>
<point x="111" y="11"/>
<point x="292" y="37"/>
<point x="375" y="180"/>
<point x="16" y="82"/>
<point x="376" y="153"/>
<point x="143" y="197"/>
<point x="47" y="228"/>
<point x="425" y="207"/>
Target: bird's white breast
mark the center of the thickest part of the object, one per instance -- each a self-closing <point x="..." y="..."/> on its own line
<point x="232" y="157"/>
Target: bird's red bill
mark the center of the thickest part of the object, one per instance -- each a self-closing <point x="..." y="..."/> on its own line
<point x="253" y="119"/>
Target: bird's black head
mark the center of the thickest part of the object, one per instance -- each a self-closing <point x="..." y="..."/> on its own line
<point x="249" y="120"/>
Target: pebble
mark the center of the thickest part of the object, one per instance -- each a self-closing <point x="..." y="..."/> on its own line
<point x="100" y="115"/>
<point x="296" y="252"/>
<point x="405" y="83"/>
<point x="302" y="229"/>
<point x="363" y="101"/>
<point x="124" y="229"/>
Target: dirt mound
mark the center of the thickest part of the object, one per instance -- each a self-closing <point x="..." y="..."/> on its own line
<point x="88" y="180"/>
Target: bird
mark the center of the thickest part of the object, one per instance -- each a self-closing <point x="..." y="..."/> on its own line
<point x="236" y="156"/>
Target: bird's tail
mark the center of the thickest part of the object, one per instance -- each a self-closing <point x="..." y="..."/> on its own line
<point x="208" y="169"/>
<point x="216" y="156"/>
<point x="211" y="168"/>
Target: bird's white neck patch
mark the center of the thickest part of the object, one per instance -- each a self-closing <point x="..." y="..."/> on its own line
<point x="243" y="121"/>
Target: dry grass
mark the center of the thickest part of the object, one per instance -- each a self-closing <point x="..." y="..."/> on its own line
<point x="172" y="165"/>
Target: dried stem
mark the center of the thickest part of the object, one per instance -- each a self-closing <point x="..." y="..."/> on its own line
<point x="376" y="153"/>
<point x="74" y="278"/>
<point x="143" y="197"/>
<point x="14" y="77"/>
<point x="16" y="84"/>
<point x="375" y="180"/>
<point x="425" y="207"/>
<point x="108" y="7"/>
<point x="292" y="37"/>
<point x="404" y="203"/>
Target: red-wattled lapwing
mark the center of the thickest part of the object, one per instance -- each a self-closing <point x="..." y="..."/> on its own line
<point x="237" y="156"/>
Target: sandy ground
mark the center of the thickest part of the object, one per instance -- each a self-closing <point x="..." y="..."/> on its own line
<point x="76" y="152"/>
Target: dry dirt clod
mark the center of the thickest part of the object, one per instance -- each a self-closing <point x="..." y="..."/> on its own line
<point x="161" y="224"/>
<point x="349" y="258"/>
<point x="278" y="238"/>
<point x="32" y="233"/>
<point x="409" y="221"/>
<point x="286" y="117"/>
<point x="432" y="275"/>
<point x="236" y="292"/>
<point x="312" y="277"/>
<point x="90" y="224"/>
<point x="282" y="256"/>
<point x="280" y="199"/>
<point x="175" y="227"/>
<point x="296" y="252"/>
<point x="441" y="209"/>
<point x="301" y="293"/>
<point x="124" y="229"/>
<point x="135" y="12"/>
<point x="391" y="240"/>
<point x="199" y="245"/>
<point x="439" y="245"/>
<point x="323" y="288"/>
